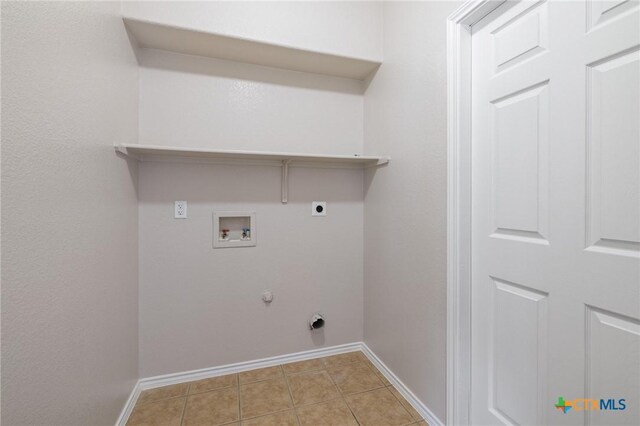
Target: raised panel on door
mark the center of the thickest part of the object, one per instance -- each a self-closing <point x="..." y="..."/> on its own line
<point x="520" y="38"/>
<point x="612" y="366"/>
<point x="519" y="138"/>
<point x="518" y="352"/>
<point x="613" y="151"/>
<point x="601" y="12"/>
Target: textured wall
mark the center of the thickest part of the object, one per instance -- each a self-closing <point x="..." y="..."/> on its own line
<point x="202" y="102"/>
<point x="349" y="28"/>
<point x="201" y="307"/>
<point x="69" y="214"/>
<point x="70" y="228"/>
<point x="405" y="203"/>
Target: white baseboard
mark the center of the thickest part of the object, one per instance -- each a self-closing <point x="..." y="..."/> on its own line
<point x="420" y="407"/>
<point x="205" y="373"/>
<point x="128" y="406"/>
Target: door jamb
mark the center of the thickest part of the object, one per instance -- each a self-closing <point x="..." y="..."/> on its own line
<point x="459" y="206"/>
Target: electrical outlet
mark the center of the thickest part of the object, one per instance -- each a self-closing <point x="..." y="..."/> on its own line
<point x="319" y="208"/>
<point x="180" y="210"/>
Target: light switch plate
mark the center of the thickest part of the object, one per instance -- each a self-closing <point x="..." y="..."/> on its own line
<point x="180" y="210"/>
<point x="319" y="208"/>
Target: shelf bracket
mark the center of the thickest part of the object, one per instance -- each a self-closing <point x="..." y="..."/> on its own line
<point x="285" y="181"/>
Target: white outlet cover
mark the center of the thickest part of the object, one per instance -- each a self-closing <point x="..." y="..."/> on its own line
<point x="319" y="208"/>
<point x="180" y="210"/>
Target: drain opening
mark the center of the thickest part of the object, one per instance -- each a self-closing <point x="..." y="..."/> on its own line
<point x="316" y="322"/>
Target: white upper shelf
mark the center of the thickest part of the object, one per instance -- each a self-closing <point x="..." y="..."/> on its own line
<point x="193" y="42"/>
<point x="143" y="152"/>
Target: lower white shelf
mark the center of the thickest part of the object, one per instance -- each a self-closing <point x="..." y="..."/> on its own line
<point x="151" y="152"/>
<point x="282" y="159"/>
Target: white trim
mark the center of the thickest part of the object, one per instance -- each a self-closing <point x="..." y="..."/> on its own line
<point x="419" y="406"/>
<point x="128" y="406"/>
<point x="205" y="373"/>
<point x="156" y="152"/>
<point x="190" y="41"/>
<point x="459" y="206"/>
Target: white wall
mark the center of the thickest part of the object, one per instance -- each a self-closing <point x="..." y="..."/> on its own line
<point x="405" y="203"/>
<point x="69" y="214"/>
<point x="69" y="229"/>
<point x="200" y="102"/>
<point x="343" y="28"/>
<point x="201" y="307"/>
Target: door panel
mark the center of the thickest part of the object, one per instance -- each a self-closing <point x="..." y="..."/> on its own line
<point x="613" y="150"/>
<point x="604" y="11"/>
<point x="556" y="212"/>
<point x="531" y="40"/>
<point x="517" y="354"/>
<point x="520" y="140"/>
<point x="606" y="333"/>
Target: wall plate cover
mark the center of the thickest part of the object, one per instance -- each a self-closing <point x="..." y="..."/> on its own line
<point x="319" y="208"/>
<point x="234" y="229"/>
<point x="180" y="210"/>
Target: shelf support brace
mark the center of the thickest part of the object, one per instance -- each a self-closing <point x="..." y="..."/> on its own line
<point x="285" y="181"/>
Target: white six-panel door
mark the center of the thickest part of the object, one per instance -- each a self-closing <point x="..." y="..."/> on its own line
<point x="556" y="211"/>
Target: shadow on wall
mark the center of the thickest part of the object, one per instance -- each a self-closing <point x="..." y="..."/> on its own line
<point x="177" y="62"/>
<point x="317" y="337"/>
<point x="243" y="184"/>
<point x="369" y="176"/>
<point x="132" y="166"/>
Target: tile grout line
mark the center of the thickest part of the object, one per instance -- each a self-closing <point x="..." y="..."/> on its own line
<point x="343" y="398"/>
<point x="281" y="376"/>
<point x="359" y="392"/>
<point x="160" y="399"/>
<point x="209" y="390"/>
<point x="260" y="416"/>
<point x="325" y="369"/>
<point x="184" y="406"/>
<point x="239" y="398"/>
<point x="305" y="371"/>
<point x="339" y="394"/>
<point x="320" y="402"/>
<point x="350" y="410"/>
<point x="242" y="419"/>
<point x="398" y="399"/>
<point x="344" y="395"/>
<point x="365" y="391"/>
<point x="286" y="381"/>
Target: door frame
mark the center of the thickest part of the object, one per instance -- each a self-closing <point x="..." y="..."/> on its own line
<point x="459" y="206"/>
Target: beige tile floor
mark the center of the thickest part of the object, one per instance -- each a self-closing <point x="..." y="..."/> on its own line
<point x="338" y="390"/>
